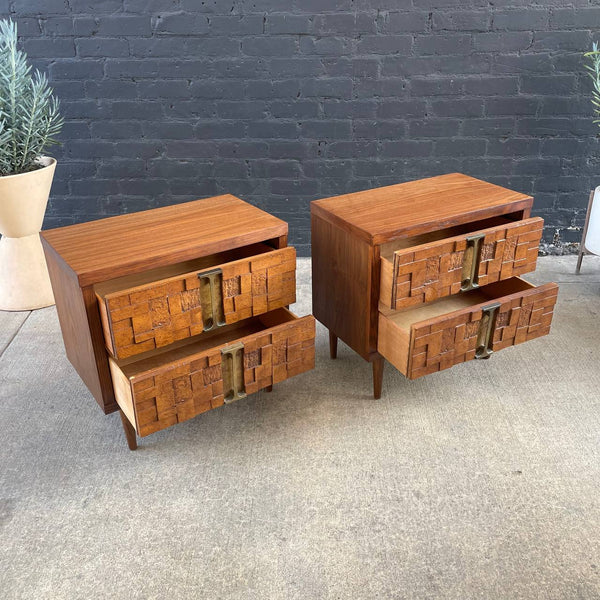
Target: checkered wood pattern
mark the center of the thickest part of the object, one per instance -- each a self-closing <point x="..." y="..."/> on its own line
<point x="157" y="314"/>
<point x="153" y="316"/>
<point x="425" y="273"/>
<point x="179" y="391"/>
<point x="279" y="354"/>
<point x="259" y="284"/>
<point x="177" y="394"/>
<point x="451" y="339"/>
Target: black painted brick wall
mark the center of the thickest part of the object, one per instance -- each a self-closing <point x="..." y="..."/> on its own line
<point x="284" y="102"/>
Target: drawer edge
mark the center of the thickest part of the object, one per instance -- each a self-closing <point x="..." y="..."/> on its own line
<point x="532" y="290"/>
<point x="107" y="329"/>
<point x="123" y="392"/>
<point x="393" y="344"/>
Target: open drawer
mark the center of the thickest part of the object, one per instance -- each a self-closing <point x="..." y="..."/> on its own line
<point x="445" y="262"/>
<point x="167" y="386"/>
<point x="452" y="330"/>
<point x="160" y="306"/>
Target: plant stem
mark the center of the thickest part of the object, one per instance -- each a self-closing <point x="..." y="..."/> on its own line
<point x="13" y="103"/>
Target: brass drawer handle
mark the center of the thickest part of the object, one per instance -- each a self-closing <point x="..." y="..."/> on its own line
<point x="211" y="299"/>
<point x="486" y="330"/>
<point x="471" y="260"/>
<point x="232" y="364"/>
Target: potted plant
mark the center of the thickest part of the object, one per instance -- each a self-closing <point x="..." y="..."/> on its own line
<point x="29" y="122"/>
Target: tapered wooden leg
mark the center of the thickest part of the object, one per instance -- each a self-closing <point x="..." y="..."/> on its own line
<point x="129" y="432"/>
<point x="269" y="388"/>
<point x="332" y="345"/>
<point x="377" y="376"/>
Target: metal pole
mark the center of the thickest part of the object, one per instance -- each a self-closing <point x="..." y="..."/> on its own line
<point x="582" y="249"/>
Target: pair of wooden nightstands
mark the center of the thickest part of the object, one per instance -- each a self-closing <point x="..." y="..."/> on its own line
<point x="170" y="312"/>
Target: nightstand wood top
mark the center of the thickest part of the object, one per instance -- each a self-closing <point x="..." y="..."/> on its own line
<point x="417" y="207"/>
<point x="125" y="244"/>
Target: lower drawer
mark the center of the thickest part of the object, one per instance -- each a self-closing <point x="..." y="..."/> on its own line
<point x="458" y="328"/>
<point x="164" y="387"/>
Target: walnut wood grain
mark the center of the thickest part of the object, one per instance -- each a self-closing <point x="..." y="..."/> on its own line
<point x="131" y="243"/>
<point x="356" y="238"/>
<point x="341" y="274"/>
<point x="379" y="215"/>
<point x="333" y="345"/>
<point x="377" y="365"/>
<point x="129" y="432"/>
<point x="82" y="333"/>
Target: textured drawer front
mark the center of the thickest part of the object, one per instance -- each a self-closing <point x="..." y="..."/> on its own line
<point x="154" y="315"/>
<point x="424" y="273"/>
<point x="183" y="388"/>
<point x="434" y="344"/>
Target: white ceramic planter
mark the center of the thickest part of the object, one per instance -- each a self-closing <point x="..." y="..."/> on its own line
<point x="592" y="236"/>
<point x="24" y="281"/>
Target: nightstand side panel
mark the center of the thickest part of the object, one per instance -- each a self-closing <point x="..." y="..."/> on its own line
<point x="83" y="345"/>
<point x="341" y="275"/>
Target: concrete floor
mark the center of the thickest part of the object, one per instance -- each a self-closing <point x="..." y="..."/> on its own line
<point x="482" y="481"/>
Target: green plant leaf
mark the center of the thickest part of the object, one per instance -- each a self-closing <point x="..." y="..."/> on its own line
<point x="29" y="113"/>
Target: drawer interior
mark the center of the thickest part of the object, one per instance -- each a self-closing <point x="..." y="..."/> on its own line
<point x="462" y="327"/>
<point x="387" y="250"/>
<point x="120" y="284"/>
<point x="163" y="387"/>
<point x="153" y="359"/>
<point x="405" y="319"/>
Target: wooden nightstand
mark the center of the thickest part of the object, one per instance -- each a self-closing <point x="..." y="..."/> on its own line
<point x="170" y="312"/>
<point x="425" y="274"/>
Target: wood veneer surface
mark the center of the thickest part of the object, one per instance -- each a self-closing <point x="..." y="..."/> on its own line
<point x="84" y="343"/>
<point x="343" y="294"/>
<point x="125" y="244"/>
<point x="416" y="207"/>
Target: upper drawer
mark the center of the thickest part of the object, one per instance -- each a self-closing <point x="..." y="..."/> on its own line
<point x="452" y="330"/>
<point x="154" y="309"/>
<point x="448" y="263"/>
<point x="168" y="386"/>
